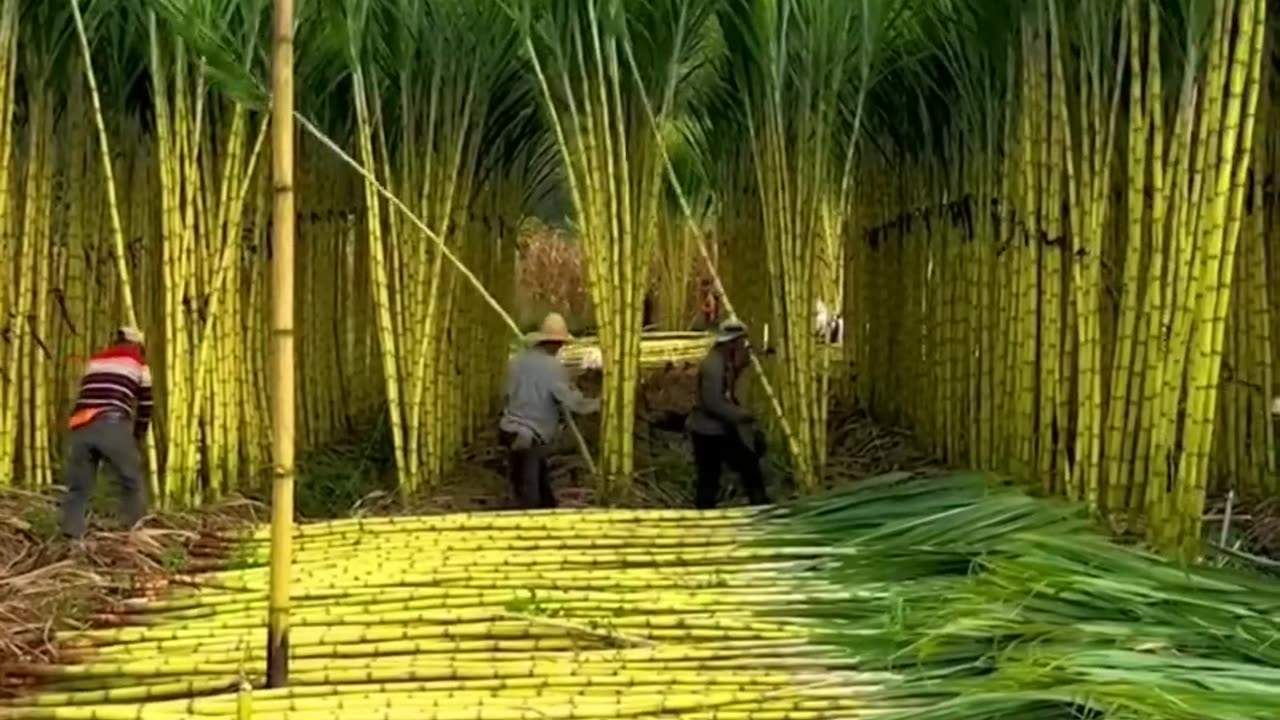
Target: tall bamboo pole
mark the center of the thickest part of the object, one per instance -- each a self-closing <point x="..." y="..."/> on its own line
<point x="282" y="400"/>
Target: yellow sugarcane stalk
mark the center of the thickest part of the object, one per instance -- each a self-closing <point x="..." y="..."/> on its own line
<point x="1244" y="79"/>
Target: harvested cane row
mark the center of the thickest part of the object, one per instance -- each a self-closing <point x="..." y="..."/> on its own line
<point x="933" y="598"/>
<point x="541" y="614"/>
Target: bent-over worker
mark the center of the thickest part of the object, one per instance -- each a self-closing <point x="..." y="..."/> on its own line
<point x="537" y="389"/>
<point x="723" y="432"/>
<point x="108" y="423"/>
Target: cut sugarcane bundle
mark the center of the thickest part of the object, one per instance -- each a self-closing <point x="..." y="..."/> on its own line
<point x="899" y="597"/>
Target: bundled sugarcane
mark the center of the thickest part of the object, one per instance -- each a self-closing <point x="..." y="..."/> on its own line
<point x="657" y="350"/>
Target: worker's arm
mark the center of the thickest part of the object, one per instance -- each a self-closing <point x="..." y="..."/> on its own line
<point x="570" y="398"/>
<point x="711" y="384"/>
<point x="146" y="403"/>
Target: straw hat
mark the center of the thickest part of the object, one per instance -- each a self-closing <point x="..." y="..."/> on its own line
<point x="554" y="329"/>
<point x="730" y="330"/>
<point x="131" y="334"/>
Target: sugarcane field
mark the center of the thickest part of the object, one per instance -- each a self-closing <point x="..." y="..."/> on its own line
<point x="645" y="359"/>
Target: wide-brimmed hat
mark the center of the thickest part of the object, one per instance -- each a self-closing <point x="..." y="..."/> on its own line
<point x="131" y="334"/>
<point x="730" y="330"/>
<point x="554" y="329"/>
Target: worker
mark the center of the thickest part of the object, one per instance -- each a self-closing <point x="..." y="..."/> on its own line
<point x="108" y="423"/>
<point x="537" y="390"/>
<point x="722" y="432"/>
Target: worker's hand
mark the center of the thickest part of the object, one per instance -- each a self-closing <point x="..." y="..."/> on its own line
<point x="523" y="440"/>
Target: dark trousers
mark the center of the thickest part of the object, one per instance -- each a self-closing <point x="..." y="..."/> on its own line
<point x="711" y="453"/>
<point x="529" y="474"/>
<point x="108" y="438"/>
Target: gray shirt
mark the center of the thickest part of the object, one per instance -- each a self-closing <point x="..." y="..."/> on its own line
<point x="537" y="386"/>
<point x="716" y="411"/>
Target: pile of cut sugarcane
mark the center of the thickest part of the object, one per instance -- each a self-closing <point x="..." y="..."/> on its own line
<point x="929" y="598"/>
<point x="539" y="614"/>
<point x="657" y="350"/>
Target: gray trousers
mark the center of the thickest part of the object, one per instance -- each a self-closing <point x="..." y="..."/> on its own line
<point x="109" y="438"/>
<point x="528" y="473"/>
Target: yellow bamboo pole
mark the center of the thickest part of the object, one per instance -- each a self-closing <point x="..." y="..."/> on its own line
<point x="283" y="407"/>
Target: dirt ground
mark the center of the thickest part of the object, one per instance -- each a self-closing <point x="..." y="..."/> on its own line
<point x="1254" y="525"/>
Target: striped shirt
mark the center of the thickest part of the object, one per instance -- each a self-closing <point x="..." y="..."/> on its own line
<point x="118" y="379"/>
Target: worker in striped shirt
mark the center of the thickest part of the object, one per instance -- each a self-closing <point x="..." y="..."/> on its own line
<point x="108" y="424"/>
